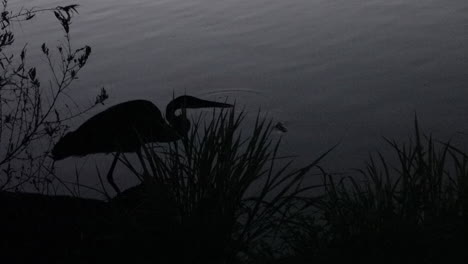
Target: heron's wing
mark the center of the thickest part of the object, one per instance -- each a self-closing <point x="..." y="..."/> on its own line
<point x="119" y="128"/>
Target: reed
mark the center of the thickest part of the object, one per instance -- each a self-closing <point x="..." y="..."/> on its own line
<point x="411" y="206"/>
<point x="231" y="198"/>
<point x="232" y="191"/>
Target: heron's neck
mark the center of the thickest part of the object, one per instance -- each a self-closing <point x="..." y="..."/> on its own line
<point x="170" y="113"/>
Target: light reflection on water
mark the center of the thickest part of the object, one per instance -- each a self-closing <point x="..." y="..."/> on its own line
<point x="346" y="70"/>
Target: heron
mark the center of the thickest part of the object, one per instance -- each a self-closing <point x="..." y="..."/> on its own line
<point x="126" y="127"/>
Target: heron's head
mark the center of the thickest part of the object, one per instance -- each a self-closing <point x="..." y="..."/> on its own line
<point x="180" y="122"/>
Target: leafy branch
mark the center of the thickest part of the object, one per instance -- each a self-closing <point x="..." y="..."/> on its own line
<point x="30" y="116"/>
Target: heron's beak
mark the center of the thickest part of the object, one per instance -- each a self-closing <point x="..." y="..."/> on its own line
<point x="186" y="101"/>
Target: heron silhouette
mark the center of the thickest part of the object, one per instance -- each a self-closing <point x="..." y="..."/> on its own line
<point x="127" y="126"/>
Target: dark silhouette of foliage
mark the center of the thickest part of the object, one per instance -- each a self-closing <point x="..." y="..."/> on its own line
<point x="405" y="210"/>
<point x="30" y="114"/>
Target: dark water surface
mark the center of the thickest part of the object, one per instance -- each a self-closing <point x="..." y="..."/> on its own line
<point x="348" y="71"/>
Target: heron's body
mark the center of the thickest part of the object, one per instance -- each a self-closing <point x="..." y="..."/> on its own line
<point x="120" y="128"/>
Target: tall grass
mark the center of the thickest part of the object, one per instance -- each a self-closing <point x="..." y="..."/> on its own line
<point x="229" y="198"/>
<point x="231" y="190"/>
<point x="409" y="208"/>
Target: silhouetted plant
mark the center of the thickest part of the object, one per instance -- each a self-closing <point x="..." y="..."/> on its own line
<point x="231" y="192"/>
<point x="30" y="116"/>
<point x="411" y="209"/>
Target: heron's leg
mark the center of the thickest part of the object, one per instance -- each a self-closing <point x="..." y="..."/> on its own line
<point x="146" y="175"/>
<point x="110" y="176"/>
<point x="130" y="167"/>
